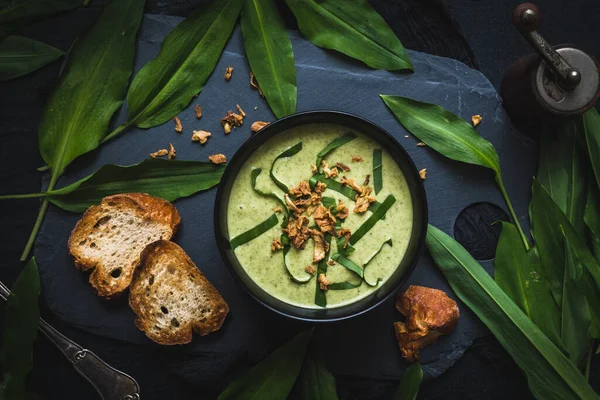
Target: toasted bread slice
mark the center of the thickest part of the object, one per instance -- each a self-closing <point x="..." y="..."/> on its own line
<point x="110" y="237"/>
<point x="171" y="297"/>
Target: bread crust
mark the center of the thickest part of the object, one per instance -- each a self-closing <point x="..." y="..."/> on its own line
<point x="166" y="267"/>
<point x="145" y="208"/>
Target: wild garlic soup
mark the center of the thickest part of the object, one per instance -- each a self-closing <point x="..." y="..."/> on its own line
<point x="320" y="216"/>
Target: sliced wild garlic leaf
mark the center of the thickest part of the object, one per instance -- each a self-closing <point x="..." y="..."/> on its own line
<point x="255" y="232"/>
<point x="274" y="377"/>
<point x="315" y="381"/>
<point x="168" y="179"/>
<point x="334" y="144"/>
<point x="270" y="55"/>
<point x="549" y="373"/>
<point x="377" y="170"/>
<point x="591" y="125"/>
<point x="320" y="297"/>
<point x="389" y="243"/>
<point x="333" y="185"/>
<point x="286" y="153"/>
<point x="344" y="285"/>
<point x="15" y="14"/>
<point x="187" y="57"/>
<point x="348" y="264"/>
<point x="352" y="28"/>
<point x="591" y="215"/>
<point x="519" y="273"/>
<point x="452" y="137"/>
<point x="253" y="177"/>
<point x="20" y="56"/>
<point x="20" y="331"/>
<point x="285" y="241"/>
<point x="372" y="220"/>
<point x="329" y="202"/>
<point x="410" y="383"/>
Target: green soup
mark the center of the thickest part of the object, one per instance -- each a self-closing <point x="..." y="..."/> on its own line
<point x="247" y="209"/>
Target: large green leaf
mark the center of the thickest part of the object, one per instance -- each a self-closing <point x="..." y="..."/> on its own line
<point x="352" y="28"/>
<point x="563" y="273"/>
<point x="549" y="373"/>
<point x="274" y="377"/>
<point x="316" y="382"/>
<point x="450" y="136"/>
<point x="410" y="383"/>
<point x="20" y="331"/>
<point x="15" y="14"/>
<point x="591" y="124"/>
<point x="169" y="179"/>
<point x="187" y="57"/>
<point x="20" y="56"/>
<point x="270" y="55"/>
<point x="92" y="86"/>
<point x="519" y="273"/>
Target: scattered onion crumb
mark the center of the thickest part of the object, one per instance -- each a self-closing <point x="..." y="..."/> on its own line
<point x="200" y="136"/>
<point x="178" y="126"/>
<point x="476" y="119"/>
<point x="172" y="152"/>
<point x="421" y="144"/>
<point x="357" y="158"/>
<point x="258" y="125"/>
<point x="198" y="111"/>
<point x="217" y="158"/>
<point x="228" y="73"/>
<point x="159" y="153"/>
<point x="331" y="262"/>
<point x="423" y="173"/>
<point x="310" y="269"/>
<point x="277" y="209"/>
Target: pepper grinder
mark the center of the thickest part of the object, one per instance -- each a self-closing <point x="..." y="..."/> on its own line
<point x="554" y="83"/>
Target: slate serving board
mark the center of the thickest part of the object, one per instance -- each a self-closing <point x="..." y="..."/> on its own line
<point x="362" y="346"/>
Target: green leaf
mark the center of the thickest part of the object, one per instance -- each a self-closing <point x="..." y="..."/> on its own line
<point x="320" y="296"/>
<point x="20" y="331"/>
<point x="591" y="125"/>
<point x="563" y="273"/>
<point x="334" y="144"/>
<point x="187" y="57"/>
<point x="316" y="382"/>
<point x="20" y="56"/>
<point x="352" y="28"/>
<point x="519" y="273"/>
<point x="169" y="179"/>
<point x="270" y="55"/>
<point x="592" y="210"/>
<point x="372" y="220"/>
<point x="410" y="383"/>
<point x="15" y="14"/>
<point x="286" y="153"/>
<point x="92" y="86"/>
<point x="389" y="243"/>
<point x="274" y="377"/>
<point x="377" y="170"/>
<point x="452" y="137"/>
<point x="255" y="232"/>
<point x="549" y="373"/>
<point x="446" y="133"/>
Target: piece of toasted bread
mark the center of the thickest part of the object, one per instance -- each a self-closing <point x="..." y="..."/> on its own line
<point x="171" y="297"/>
<point x="110" y="237"/>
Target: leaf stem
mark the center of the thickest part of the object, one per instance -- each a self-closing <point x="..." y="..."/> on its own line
<point x="36" y="228"/>
<point x="118" y="130"/>
<point x="23" y="196"/>
<point x="512" y="211"/>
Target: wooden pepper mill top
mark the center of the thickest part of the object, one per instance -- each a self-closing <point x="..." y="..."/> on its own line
<point x="555" y="81"/>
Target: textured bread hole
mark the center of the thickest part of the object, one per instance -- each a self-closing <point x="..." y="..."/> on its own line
<point x="175" y="323"/>
<point x="102" y="221"/>
<point x="111" y="203"/>
<point x="164" y="310"/>
<point x="93" y="245"/>
<point x="82" y="242"/>
<point x="171" y="269"/>
<point x="115" y="273"/>
<point x="151" y="281"/>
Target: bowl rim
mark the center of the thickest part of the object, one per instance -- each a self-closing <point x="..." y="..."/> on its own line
<point x="418" y="197"/>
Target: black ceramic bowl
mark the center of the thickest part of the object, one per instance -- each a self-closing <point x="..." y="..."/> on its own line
<point x="405" y="266"/>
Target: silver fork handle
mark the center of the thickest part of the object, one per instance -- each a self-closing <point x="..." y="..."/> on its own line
<point x="109" y="382"/>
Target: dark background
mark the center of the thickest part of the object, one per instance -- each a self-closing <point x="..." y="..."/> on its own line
<point x="477" y="32"/>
